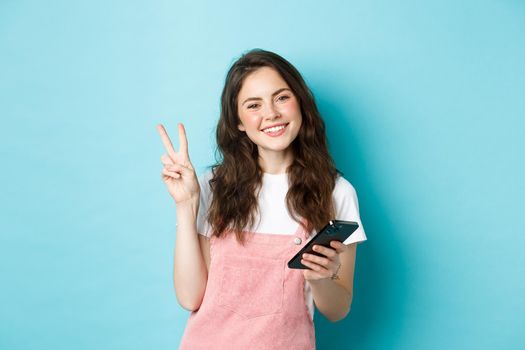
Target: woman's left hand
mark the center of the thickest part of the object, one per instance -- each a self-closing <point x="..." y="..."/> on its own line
<point x="321" y="267"/>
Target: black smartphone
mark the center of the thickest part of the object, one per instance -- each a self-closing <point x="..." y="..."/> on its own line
<point x="335" y="230"/>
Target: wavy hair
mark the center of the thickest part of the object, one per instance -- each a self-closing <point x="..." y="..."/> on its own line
<point x="237" y="175"/>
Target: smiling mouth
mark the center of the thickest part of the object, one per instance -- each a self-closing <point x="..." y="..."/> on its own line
<point x="274" y="129"/>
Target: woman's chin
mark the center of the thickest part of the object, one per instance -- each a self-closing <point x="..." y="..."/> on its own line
<point x="284" y="148"/>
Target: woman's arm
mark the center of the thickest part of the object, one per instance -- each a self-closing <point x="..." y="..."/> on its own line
<point x="332" y="297"/>
<point x="190" y="273"/>
<point x="189" y="267"/>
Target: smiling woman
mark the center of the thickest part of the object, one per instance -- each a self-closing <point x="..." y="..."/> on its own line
<point x="273" y="121"/>
<point x="238" y="225"/>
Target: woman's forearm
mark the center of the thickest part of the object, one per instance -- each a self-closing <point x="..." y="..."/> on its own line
<point x="189" y="267"/>
<point x="331" y="299"/>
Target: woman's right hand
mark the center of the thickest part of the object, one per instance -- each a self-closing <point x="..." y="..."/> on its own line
<point x="178" y="173"/>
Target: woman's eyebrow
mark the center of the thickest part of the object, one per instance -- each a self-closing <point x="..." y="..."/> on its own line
<point x="259" y="98"/>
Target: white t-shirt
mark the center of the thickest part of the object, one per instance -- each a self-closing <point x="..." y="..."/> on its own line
<point x="275" y="218"/>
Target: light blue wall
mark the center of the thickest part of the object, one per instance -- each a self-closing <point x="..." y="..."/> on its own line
<point x="425" y="107"/>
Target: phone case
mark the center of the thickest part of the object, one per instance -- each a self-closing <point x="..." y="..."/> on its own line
<point x="335" y="230"/>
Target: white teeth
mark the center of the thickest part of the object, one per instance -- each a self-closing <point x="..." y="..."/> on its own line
<point x="275" y="128"/>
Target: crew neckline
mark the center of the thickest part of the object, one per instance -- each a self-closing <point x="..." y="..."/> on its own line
<point x="276" y="177"/>
<point x="270" y="174"/>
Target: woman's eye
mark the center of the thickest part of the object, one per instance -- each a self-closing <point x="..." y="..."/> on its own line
<point x="252" y="106"/>
<point x="283" y="98"/>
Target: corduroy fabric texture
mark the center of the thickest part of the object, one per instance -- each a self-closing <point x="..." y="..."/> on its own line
<point x="252" y="299"/>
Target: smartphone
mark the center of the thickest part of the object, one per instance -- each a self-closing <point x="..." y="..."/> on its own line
<point x="335" y="230"/>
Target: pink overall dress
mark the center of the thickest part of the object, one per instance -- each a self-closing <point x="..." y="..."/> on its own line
<point x="252" y="299"/>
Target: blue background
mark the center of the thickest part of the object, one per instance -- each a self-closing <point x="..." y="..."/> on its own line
<point x="424" y="103"/>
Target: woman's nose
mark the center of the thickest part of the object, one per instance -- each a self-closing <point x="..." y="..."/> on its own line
<point x="271" y="112"/>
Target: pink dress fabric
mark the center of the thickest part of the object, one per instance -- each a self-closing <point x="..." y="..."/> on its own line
<point x="252" y="299"/>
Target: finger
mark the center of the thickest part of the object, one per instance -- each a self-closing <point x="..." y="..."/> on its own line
<point x="172" y="174"/>
<point x="339" y="246"/>
<point x="313" y="266"/>
<point x="325" y="251"/>
<point x="178" y="168"/>
<point x="311" y="275"/>
<point x="166" y="160"/>
<point x="316" y="259"/>
<point x="183" y="141"/>
<point x="166" y="141"/>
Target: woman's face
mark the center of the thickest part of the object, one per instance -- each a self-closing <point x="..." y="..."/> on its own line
<point x="269" y="111"/>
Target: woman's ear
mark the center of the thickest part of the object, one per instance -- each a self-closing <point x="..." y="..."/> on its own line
<point x="241" y="127"/>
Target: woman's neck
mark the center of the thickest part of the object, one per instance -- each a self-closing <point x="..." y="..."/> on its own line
<point x="275" y="162"/>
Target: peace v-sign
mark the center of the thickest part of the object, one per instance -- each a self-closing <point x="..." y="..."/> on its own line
<point x="178" y="173"/>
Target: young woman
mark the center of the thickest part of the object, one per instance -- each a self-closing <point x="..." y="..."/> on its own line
<point x="237" y="226"/>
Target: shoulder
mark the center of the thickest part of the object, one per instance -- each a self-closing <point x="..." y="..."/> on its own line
<point x="203" y="226"/>
<point x="347" y="208"/>
<point x="343" y="189"/>
<point x="206" y="176"/>
<point x="344" y="196"/>
<point x="204" y="182"/>
<point x="205" y="191"/>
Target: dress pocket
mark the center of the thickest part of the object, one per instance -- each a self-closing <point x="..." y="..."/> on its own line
<point x="252" y="286"/>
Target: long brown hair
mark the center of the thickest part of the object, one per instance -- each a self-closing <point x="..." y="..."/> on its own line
<point x="237" y="175"/>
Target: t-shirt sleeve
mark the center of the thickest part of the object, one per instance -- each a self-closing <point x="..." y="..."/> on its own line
<point x="203" y="226"/>
<point x="347" y="208"/>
